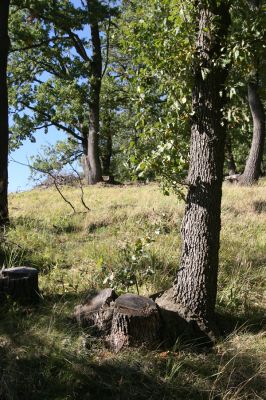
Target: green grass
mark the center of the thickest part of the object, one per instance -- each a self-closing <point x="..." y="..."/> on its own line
<point x="43" y="355"/>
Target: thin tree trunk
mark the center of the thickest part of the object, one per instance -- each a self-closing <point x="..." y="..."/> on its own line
<point x="93" y="156"/>
<point x="253" y="165"/>
<point x="231" y="165"/>
<point x="4" y="48"/>
<point x="106" y="159"/>
<point x="196" y="282"/>
<point x="85" y="166"/>
<point x="195" y="287"/>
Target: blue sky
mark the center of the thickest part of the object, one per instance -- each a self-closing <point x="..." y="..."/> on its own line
<point x="18" y="174"/>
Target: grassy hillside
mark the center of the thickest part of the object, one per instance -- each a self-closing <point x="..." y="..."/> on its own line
<point x="44" y="356"/>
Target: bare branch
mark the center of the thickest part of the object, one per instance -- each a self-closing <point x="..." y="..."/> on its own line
<point x="81" y="187"/>
<point x="52" y="176"/>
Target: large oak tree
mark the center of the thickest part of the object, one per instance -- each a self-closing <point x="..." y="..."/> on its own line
<point x="193" y="294"/>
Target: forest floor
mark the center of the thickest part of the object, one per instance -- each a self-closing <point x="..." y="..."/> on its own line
<point x="43" y="355"/>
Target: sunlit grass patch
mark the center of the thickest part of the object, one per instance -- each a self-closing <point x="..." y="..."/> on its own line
<point x="43" y="355"/>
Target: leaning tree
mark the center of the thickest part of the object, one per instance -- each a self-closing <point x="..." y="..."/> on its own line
<point x="256" y="28"/>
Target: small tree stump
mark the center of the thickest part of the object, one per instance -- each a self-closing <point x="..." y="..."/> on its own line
<point x="21" y="283"/>
<point x="97" y="311"/>
<point x="135" y="321"/>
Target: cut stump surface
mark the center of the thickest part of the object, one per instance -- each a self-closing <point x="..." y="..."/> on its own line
<point x="135" y="321"/>
<point x="21" y="283"/>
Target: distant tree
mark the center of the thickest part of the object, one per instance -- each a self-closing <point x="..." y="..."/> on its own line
<point x="4" y="48"/>
<point x="257" y="61"/>
<point x="59" y="59"/>
<point x="253" y="166"/>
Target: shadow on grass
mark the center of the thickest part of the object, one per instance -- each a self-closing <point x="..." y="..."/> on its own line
<point x="40" y="359"/>
<point x="42" y="371"/>
<point x="252" y="322"/>
<point x="61" y="225"/>
<point x="259" y="206"/>
<point x="33" y="366"/>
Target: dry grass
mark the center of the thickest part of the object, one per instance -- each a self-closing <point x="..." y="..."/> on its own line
<point x="44" y="356"/>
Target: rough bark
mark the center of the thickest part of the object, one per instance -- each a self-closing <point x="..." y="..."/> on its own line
<point x="252" y="170"/>
<point x="93" y="155"/>
<point x="21" y="283"/>
<point x="97" y="311"/>
<point x="195" y="287"/>
<point x="135" y="321"/>
<point x="4" y="48"/>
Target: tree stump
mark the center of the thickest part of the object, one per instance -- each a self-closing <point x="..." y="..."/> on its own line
<point x="21" y="283"/>
<point x="135" y="321"/>
<point x="97" y="311"/>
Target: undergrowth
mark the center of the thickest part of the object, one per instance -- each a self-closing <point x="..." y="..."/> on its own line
<point x="130" y="239"/>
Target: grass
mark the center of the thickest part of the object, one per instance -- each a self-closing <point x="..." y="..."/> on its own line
<point x="43" y="355"/>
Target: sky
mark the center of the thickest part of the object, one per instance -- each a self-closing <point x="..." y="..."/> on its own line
<point x="19" y="176"/>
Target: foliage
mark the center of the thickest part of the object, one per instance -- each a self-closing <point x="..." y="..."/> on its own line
<point x="146" y="90"/>
<point x="159" y="84"/>
<point x="246" y="56"/>
<point x="51" y="69"/>
<point x="134" y="266"/>
<point x="158" y="36"/>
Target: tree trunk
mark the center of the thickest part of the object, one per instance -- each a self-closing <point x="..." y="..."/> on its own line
<point x="4" y="47"/>
<point x="231" y="165"/>
<point x="253" y="165"/>
<point x="93" y="156"/>
<point x="195" y="287"/>
<point x="106" y="158"/>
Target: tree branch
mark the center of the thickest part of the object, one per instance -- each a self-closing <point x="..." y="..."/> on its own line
<point x="49" y="118"/>
<point x="79" y="46"/>
<point x="107" y="47"/>
<point x="40" y="44"/>
<point x="52" y="176"/>
<point x="81" y="188"/>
